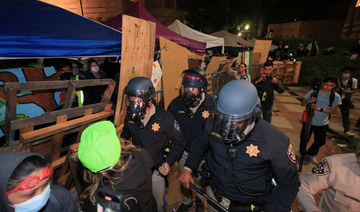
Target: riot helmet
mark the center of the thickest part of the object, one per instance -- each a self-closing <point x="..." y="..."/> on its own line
<point x="139" y="92"/>
<point x="194" y="83"/>
<point x="237" y="106"/>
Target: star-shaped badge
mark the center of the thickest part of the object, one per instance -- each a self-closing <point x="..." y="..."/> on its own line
<point x="252" y="150"/>
<point x="155" y="127"/>
<point x="205" y="114"/>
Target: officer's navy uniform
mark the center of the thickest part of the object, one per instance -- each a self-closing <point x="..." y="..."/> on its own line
<point x="266" y="153"/>
<point x="155" y="136"/>
<point x="191" y="126"/>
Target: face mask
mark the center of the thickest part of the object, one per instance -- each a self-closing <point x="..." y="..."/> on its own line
<point x="95" y="69"/>
<point x="135" y="112"/>
<point x="346" y="76"/>
<point x="34" y="204"/>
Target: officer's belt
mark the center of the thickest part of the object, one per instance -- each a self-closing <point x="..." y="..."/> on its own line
<point x="245" y="206"/>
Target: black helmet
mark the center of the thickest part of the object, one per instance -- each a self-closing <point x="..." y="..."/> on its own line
<point x="143" y="88"/>
<point x="194" y="78"/>
<point x="238" y="102"/>
<point x="140" y="86"/>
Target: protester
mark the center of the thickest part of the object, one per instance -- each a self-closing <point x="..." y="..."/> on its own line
<point x="301" y="51"/>
<point x="243" y="74"/>
<point x="25" y="185"/>
<point x="93" y="94"/>
<point x="152" y="128"/>
<point x="118" y="167"/>
<point x="191" y="109"/>
<point x="265" y="85"/>
<point x="324" y="103"/>
<point x="337" y="177"/>
<point x="346" y="87"/>
<point x="313" y="48"/>
<point x="244" y="154"/>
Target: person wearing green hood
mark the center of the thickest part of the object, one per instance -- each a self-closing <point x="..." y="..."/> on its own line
<point x="119" y="167"/>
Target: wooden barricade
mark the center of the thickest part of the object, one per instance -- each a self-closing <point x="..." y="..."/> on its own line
<point x="48" y="140"/>
<point x="287" y="73"/>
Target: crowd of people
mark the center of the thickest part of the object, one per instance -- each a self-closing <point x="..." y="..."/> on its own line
<point x="244" y="162"/>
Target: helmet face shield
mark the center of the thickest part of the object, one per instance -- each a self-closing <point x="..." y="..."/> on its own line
<point x="230" y="128"/>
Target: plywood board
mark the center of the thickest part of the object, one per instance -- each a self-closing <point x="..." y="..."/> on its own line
<point x="214" y="64"/>
<point x="174" y="62"/>
<point x="263" y="47"/>
<point x="137" y="55"/>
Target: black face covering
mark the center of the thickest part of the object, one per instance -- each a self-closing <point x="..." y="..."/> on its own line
<point x="191" y="100"/>
<point x="135" y="112"/>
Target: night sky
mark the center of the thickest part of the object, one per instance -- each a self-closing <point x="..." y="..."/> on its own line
<point x="213" y="15"/>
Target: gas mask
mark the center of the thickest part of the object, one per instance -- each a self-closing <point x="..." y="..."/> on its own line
<point x="136" y="110"/>
<point x="190" y="99"/>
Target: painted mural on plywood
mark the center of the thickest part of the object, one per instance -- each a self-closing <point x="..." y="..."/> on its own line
<point x="30" y="103"/>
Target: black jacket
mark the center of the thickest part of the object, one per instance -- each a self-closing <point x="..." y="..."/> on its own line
<point x="156" y="135"/>
<point x="60" y="199"/>
<point x="268" y="87"/>
<point x="264" y="155"/>
<point x="191" y="127"/>
<point x="136" y="180"/>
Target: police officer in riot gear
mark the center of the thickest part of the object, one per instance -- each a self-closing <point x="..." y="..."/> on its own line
<point x="244" y="154"/>
<point x="191" y="109"/>
<point x="152" y="128"/>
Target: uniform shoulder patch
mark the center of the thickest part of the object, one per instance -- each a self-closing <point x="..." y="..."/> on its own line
<point x="216" y="134"/>
<point x="176" y="125"/>
<point x="321" y="168"/>
<point x="291" y="154"/>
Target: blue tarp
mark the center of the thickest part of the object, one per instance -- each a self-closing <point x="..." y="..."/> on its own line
<point x="34" y="29"/>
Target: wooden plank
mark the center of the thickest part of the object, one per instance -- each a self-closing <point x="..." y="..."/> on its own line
<point x="51" y="116"/>
<point x="174" y="62"/>
<point x="57" y="140"/>
<point x="195" y="56"/>
<point x="137" y="50"/>
<point x="52" y="130"/>
<point x="214" y="63"/>
<point x="297" y="69"/>
<point x="108" y="92"/>
<point x="263" y="47"/>
<point x="256" y="58"/>
<point x="59" y="162"/>
<point x="70" y="95"/>
<point x="82" y="128"/>
<point x="25" y="129"/>
<point x="10" y="115"/>
<point x="56" y="84"/>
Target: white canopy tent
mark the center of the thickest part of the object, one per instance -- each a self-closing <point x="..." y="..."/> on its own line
<point x="231" y="39"/>
<point x="183" y="30"/>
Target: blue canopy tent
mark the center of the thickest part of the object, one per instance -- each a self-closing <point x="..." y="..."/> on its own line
<point x="34" y="29"/>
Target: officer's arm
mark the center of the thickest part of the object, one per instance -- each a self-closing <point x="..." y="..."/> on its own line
<point x="174" y="133"/>
<point x="282" y="159"/>
<point x="199" y="145"/>
<point x="125" y="133"/>
<point x="310" y="185"/>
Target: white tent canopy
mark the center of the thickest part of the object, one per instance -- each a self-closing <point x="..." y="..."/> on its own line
<point x="231" y="39"/>
<point x="183" y="30"/>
